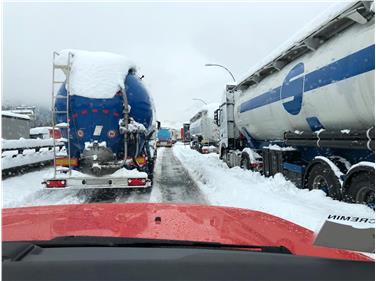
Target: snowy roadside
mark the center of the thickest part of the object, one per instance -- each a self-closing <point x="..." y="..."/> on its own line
<point x="245" y="189"/>
<point x="11" y="159"/>
<point x="26" y="190"/>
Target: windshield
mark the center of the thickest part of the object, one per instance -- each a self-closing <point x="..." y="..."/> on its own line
<point x="232" y="123"/>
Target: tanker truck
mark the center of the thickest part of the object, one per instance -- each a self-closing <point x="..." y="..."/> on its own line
<point x="106" y="117"/>
<point x="307" y="111"/>
<point x="203" y="127"/>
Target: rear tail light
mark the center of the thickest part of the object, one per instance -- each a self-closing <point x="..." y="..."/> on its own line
<point x="256" y="165"/>
<point x="136" y="181"/>
<point x="56" y="183"/>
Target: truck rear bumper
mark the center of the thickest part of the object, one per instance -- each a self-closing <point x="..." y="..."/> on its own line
<point x="98" y="183"/>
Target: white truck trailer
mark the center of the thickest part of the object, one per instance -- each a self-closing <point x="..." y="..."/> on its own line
<point x="203" y="126"/>
<point x="308" y="111"/>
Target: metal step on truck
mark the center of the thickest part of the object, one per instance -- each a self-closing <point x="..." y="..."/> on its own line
<point x="308" y="111"/>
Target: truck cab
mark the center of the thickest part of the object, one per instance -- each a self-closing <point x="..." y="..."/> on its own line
<point x="164" y="137"/>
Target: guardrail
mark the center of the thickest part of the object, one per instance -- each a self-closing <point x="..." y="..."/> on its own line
<point x="24" y="155"/>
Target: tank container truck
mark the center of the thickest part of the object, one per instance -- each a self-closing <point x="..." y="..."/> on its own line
<point x="106" y="117"/>
<point x="203" y="127"/>
<point x="308" y="110"/>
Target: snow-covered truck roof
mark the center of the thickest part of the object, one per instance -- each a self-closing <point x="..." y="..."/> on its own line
<point x="40" y="130"/>
<point x="335" y="19"/>
<point x="94" y="74"/>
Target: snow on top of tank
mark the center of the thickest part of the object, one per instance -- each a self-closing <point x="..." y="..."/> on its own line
<point x="95" y="74"/>
<point x="333" y="11"/>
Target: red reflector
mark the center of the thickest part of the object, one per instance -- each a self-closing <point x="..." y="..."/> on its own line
<point x="116" y="114"/>
<point x="256" y="165"/>
<point x="56" y="183"/>
<point x="105" y="111"/>
<point x="75" y="115"/>
<point x="136" y="181"/>
<point x="94" y="110"/>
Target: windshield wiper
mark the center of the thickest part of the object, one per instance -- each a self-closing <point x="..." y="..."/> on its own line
<point x="100" y="241"/>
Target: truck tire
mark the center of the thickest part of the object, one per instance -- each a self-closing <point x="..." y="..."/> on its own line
<point x="321" y="176"/>
<point x="224" y="155"/>
<point x="221" y="154"/>
<point x="245" y="162"/>
<point x="361" y="189"/>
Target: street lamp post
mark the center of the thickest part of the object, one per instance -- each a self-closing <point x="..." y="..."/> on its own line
<point x="219" y="65"/>
<point x="201" y="100"/>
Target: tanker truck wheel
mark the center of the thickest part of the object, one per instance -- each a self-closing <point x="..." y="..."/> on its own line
<point x="362" y="189"/>
<point x="322" y="177"/>
<point x="245" y="162"/>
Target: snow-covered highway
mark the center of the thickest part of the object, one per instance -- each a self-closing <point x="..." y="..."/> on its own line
<point x="183" y="175"/>
<point x="172" y="184"/>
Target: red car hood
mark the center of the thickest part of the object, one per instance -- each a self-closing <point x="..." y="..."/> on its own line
<point x="164" y="221"/>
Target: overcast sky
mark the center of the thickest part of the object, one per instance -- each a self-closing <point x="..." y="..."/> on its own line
<point x="170" y="42"/>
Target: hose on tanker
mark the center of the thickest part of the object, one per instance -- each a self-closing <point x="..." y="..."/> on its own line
<point x="137" y="150"/>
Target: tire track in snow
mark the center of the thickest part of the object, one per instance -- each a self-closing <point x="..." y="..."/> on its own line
<point x="173" y="181"/>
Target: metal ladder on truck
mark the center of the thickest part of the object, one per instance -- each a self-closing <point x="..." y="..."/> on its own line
<point x="66" y="69"/>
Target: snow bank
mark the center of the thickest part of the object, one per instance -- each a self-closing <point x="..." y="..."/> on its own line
<point x="17" y="160"/>
<point x="245" y="189"/>
<point x="95" y="74"/>
<point x="27" y="190"/>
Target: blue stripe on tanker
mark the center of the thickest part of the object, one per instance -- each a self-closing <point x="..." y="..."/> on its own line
<point x="352" y="65"/>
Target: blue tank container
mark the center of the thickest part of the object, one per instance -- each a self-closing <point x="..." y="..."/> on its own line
<point x="85" y="114"/>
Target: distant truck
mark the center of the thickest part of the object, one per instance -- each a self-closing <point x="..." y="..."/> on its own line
<point x="309" y="111"/>
<point x="174" y="135"/>
<point x="164" y="137"/>
<point x="45" y="133"/>
<point x="186" y="137"/>
<point x="203" y="127"/>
